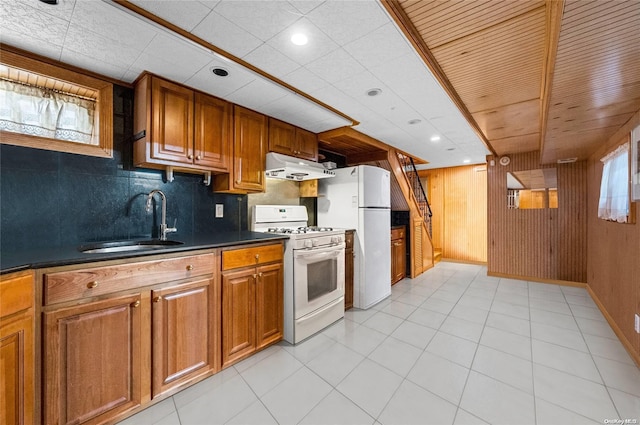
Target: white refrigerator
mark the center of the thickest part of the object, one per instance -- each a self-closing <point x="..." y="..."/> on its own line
<point x="359" y="198"/>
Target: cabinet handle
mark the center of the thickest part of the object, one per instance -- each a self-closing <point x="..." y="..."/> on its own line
<point x="189" y="267"/>
<point x="198" y="157"/>
<point x="257" y="257"/>
<point x="260" y="274"/>
<point x="255" y="276"/>
<point x="92" y="284"/>
<point x="157" y="299"/>
<point x="135" y="304"/>
<point x="190" y="156"/>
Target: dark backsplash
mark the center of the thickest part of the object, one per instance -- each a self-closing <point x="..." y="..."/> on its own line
<point x="50" y="199"/>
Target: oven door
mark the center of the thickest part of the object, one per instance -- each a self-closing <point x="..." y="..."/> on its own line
<point x="318" y="278"/>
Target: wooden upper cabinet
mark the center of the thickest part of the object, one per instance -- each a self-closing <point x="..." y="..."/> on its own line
<point x="177" y="126"/>
<point x="290" y="140"/>
<point x="172" y="121"/>
<point x="213" y="133"/>
<point x="249" y="150"/>
<point x="307" y="144"/>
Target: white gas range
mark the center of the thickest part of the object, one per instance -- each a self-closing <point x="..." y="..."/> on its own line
<point x="313" y="269"/>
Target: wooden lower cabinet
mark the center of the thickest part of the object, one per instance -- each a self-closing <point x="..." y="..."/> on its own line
<point x="118" y="337"/>
<point x="348" y="269"/>
<point x="17" y="349"/>
<point x="398" y="254"/>
<point x="252" y="300"/>
<point x="184" y="335"/>
<point x="93" y="361"/>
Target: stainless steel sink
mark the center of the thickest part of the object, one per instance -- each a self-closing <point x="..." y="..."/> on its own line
<point x="123" y="246"/>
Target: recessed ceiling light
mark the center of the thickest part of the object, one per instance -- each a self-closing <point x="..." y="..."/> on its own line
<point x="220" y="72"/>
<point x="414" y="121"/>
<point x="299" y="39"/>
<point x="374" y="92"/>
<point x="451" y="149"/>
<point x="435" y="138"/>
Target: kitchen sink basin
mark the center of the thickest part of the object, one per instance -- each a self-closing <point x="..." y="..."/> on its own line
<point x="124" y="246"/>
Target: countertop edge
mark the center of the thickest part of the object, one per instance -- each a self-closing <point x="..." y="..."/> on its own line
<point x="80" y="258"/>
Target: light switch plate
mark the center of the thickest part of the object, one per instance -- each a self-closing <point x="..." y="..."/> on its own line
<point x="637" y="323"/>
<point x="219" y="210"/>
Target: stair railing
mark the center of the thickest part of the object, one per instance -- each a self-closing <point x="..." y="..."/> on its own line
<point x="411" y="172"/>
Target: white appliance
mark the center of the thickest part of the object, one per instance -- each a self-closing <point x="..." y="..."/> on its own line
<point x="359" y="198"/>
<point x="313" y="269"/>
<point x="289" y="168"/>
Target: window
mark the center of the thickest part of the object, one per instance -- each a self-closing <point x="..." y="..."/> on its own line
<point x="614" y="187"/>
<point x="46" y="106"/>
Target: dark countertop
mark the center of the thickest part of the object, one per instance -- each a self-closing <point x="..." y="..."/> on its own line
<point x="62" y="256"/>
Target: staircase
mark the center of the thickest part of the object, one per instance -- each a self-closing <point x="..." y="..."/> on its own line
<point x="418" y="191"/>
<point x="406" y="175"/>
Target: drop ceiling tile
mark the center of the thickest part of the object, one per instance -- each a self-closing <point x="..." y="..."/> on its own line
<point x="380" y="46"/>
<point x="335" y="66"/>
<point x="257" y="94"/>
<point x="111" y="22"/>
<point x="40" y="47"/>
<point x="226" y="35"/>
<point x="185" y="14"/>
<point x="271" y="61"/>
<point x="90" y="44"/>
<point x="304" y="80"/>
<point x="62" y="10"/>
<point x="171" y="70"/>
<point x="106" y="68"/>
<point x="318" y="46"/>
<point x="20" y="20"/>
<point x="357" y="86"/>
<point x="263" y="19"/>
<point x="182" y="53"/>
<point x="335" y="98"/>
<point x="206" y="81"/>
<point x="347" y="21"/>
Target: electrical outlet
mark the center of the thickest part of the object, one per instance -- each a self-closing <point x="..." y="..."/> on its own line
<point x="637" y="323"/>
<point x="219" y="210"/>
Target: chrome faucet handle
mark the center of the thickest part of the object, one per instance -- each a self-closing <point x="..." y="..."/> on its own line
<point x="172" y="229"/>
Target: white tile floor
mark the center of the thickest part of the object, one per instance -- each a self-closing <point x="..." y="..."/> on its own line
<point x="450" y="347"/>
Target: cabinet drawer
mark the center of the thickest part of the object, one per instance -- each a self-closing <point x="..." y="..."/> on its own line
<point x="90" y="282"/>
<point x="16" y="294"/>
<point x="245" y="257"/>
<point x="397" y="233"/>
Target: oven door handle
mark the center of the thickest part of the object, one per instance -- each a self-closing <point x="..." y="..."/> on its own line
<point x="320" y="311"/>
<point x="318" y="256"/>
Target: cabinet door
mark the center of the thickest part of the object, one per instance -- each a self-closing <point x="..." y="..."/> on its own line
<point x="269" y="304"/>
<point x="92" y="361"/>
<point x="306" y="145"/>
<point x="250" y="148"/>
<point x="212" y="132"/>
<point x="238" y="315"/>
<point x="398" y="267"/>
<point x="282" y="137"/>
<point x="182" y="325"/>
<point x="16" y="373"/>
<point x="172" y="118"/>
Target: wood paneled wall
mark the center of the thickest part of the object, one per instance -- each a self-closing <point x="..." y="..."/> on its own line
<point x="544" y="244"/>
<point x="458" y="197"/>
<point x="614" y="252"/>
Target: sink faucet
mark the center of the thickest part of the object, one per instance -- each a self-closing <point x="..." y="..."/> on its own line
<point x="163" y="225"/>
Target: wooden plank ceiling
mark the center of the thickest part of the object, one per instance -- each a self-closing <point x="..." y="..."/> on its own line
<point x="556" y="76"/>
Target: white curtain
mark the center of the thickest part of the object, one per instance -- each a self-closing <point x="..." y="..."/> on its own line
<point x="614" y="187"/>
<point x="40" y="112"/>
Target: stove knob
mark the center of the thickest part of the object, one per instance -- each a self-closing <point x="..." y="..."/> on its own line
<point x="336" y="240"/>
<point x="308" y="243"/>
<point x="314" y="242"/>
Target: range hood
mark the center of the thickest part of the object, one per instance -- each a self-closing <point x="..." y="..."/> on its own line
<point x="289" y="168"/>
